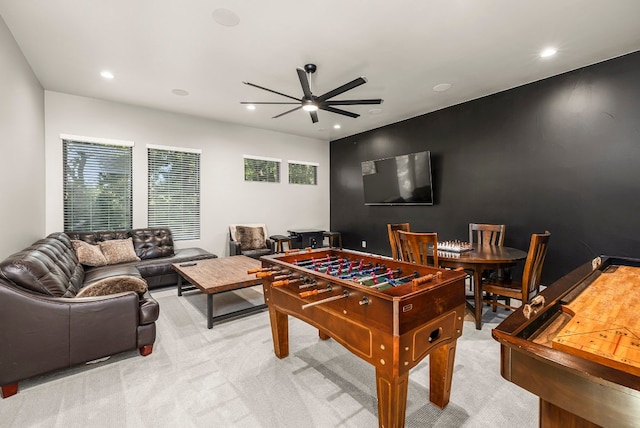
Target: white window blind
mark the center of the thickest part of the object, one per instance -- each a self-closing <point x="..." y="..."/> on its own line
<point x="174" y="191"/>
<point x="263" y="169"/>
<point x="303" y="172"/>
<point x="97" y="186"/>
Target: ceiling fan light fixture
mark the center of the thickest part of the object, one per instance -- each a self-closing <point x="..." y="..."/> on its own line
<point x="310" y="107"/>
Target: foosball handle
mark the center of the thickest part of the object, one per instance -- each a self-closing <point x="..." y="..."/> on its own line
<point x="280" y="283"/>
<point x="297" y="250"/>
<point x="306" y="294"/>
<point x="424" y="279"/>
<point x="264" y="274"/>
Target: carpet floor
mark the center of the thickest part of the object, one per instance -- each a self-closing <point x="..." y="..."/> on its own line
<point x="229" y="377"/>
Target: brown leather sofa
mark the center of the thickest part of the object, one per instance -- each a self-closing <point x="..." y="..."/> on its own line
<point x="44" y="327"/>
<point x="154" y="247"/>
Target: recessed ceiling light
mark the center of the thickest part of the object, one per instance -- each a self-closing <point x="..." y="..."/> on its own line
<point x="179" y="92"/>
<point x="442" y="87"/>
<point x="336" y="126"/>
<point x="548" y="52"/>
<point x="251" y="107"/>
<point x="226" y="17"/>
<point x="375" y="111"/>
<point x="107" y="74"/>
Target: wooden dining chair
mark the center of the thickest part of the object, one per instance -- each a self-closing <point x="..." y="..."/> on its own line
<point x="486" y="234"/>
<point x="393" y="229"/>
<point x="529" y="286"/>
<point x="414" y="247"/>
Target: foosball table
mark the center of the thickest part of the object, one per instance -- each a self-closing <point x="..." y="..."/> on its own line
<point x="391" y="314"/>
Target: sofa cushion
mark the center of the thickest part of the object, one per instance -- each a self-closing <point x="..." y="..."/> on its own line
<point x="251" y="238"/>
<point x="118" y="251"/>
<point x="152" y="243"/>
<point x="88" y="254"/>
<point x="113" y="285"/>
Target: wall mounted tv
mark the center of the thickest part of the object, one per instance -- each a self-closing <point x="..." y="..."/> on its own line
<point x="399" y="180"/>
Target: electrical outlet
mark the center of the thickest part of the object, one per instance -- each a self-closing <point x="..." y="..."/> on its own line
<point x="364" y="244"/>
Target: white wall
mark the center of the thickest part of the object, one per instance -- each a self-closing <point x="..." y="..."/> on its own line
<point x="226" y="197"/>
<point x="22" y="213"/>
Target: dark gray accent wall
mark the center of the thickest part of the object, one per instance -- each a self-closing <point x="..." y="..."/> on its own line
<point x="561" y="154"/>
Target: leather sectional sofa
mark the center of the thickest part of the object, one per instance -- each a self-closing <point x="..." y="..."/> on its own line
<point x="44" y="326"/>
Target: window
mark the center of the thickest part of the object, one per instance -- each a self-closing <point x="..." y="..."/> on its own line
<point x="97" y="184"/>
<point x="261" y="169"/>
<point x="174" y="190"/>
<point x="303" y="172"/>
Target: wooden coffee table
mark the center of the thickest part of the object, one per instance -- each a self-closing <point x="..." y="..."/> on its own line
<point x="213" y="276"/>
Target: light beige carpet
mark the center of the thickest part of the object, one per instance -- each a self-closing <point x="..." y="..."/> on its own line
<point x="229" y="377"/>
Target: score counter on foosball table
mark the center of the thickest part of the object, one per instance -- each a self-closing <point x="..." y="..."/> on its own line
<point x="391" y="314"/>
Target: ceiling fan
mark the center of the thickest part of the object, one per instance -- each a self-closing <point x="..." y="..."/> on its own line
<point x="312" y="103"/>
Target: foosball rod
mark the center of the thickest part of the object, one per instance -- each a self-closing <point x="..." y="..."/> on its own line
<point x="344" y="295"/>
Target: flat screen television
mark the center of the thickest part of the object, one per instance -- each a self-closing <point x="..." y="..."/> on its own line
<point x="399" y="180"/>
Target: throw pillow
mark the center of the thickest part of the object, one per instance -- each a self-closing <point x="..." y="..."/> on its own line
<point x="118" y="251"/>
<point x="88" y="255"/>
<point x="113" y="285"/>
<point x="250" y="238"/>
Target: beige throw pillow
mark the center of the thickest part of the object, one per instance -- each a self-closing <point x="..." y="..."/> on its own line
<point x="118" y="251"/>
<point x="250" y="238"/>
<point x="113" y="285"/>
<point x="88" y="255"/>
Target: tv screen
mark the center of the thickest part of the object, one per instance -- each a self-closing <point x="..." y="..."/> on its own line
<point x="399" y="180"/>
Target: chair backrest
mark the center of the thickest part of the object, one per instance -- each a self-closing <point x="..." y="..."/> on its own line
<point x="486" y="234"/>
<point x="393" y="238"/>
<point x="533" y="265"/>
<point x="415" y="247"/>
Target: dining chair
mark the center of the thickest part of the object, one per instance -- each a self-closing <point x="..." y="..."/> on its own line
<point x="396" y="254"/>
<point x="414" y="247"/>
<point x="529" y="286"/>
<point x="486" y="234"/>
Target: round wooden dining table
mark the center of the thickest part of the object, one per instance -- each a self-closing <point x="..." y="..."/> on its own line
<point x="478" y="260"/>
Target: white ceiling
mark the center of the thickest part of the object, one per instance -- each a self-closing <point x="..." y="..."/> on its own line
<point x="404" y="48"/>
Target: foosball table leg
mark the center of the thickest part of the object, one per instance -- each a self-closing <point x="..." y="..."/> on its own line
<point x="279" y="332"/>
<point x="323" y="336"/>
<point x="392" y="398"/>
<point x="441" y="361"/>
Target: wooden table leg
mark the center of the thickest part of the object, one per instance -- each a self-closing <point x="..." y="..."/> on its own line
<point x="179" y="285"/>
<point x="477" y="296"/>
<point x="279" y="332"/>
<point x="392" y="398"/>
<point x="441" y="361"/>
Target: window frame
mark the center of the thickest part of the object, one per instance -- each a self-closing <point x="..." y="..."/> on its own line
<point x="70" y="215"/>
<point x="276" y="163"/>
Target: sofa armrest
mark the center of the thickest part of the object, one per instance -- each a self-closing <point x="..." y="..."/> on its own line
<point x="41" y="333"/>
<point x="104" y="325"/>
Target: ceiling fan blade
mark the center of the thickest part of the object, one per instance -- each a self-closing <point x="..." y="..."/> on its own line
<point x="353" y="102"/>
<point x="338" y="111"/>
<point x="344" y="88"/>
<point x="314" y="116"/>
<point x="304" y="81"/>
<point x="287" y="112"/>
<point x="266" y="102"/>
<point x="270" y="90"/>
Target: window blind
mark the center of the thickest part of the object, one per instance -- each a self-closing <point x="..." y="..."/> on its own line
<point x="261" y="169"/>
<point x="174" y="191"/>
<point x="97" y="186"/>
<point x="303" y="172"/>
